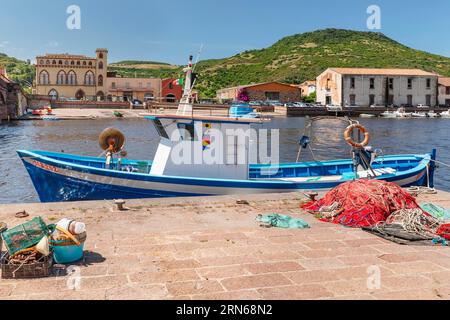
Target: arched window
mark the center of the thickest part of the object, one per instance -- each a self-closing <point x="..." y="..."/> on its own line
<point x="100" y="80"/>
<point x="41" y="62"/>
<point x="44" y="78"/>
<point x="100" y="65"/>
<point x="89" y="78"/>
<point x="90" y="63"/>
<point x="53" y="94"/>
<point x="84" y="63"/>
<point x="170" y="98"/>
<point x="71" y="78"/>
<point x="78" y="63"/>
<point x="100" y="55"/>
<point x="66" y="63"/>
<point x="60" y="62"/>
<point x="54" y="62"/>
<point x="61" y="77"/>
<point x="72" y="63"/>
<point x="79" y="94"/>
<point x="47" y="62"/>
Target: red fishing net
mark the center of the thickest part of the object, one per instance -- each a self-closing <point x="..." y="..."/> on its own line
<point x="444" y="231"/>
<point x="361" y="203"/>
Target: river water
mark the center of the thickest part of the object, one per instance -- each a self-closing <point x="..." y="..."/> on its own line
<point x="393" y="136"/>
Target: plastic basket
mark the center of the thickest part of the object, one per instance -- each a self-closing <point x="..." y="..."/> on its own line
<point x="25" y="235"/>
<point x="66" y="251"/>
<point x="41" y="268"/>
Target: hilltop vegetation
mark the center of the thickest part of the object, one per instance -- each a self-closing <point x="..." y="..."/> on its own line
<point x="292" y="59"/>
<point x="301" y="57"/>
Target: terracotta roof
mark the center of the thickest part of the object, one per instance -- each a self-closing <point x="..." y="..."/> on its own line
<point x="308" y="83"/>
<point x="64" y="56"/>
<point x="444" y="81"/>
<point x="376" y="71"/>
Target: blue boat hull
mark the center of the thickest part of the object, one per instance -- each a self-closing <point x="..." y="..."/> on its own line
<point x="61" y="177"/>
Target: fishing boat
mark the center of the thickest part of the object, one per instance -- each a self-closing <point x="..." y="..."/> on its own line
<point x="366" y="115"/>
<point x="389" y="114"/>
<point x="242" y="110"/>
<point x="419" y="115"/>
<point x="67" y="177"/>
<point x="445" y="114"/>
<point x="401" y="113"/>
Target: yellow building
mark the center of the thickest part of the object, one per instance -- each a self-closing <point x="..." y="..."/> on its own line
<point x="66" y="76"/>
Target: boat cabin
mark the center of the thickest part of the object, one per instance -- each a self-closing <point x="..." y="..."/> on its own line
<point x="202" y="146"/>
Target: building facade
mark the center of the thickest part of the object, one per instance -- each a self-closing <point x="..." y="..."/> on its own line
<point x="366" y="87"/>
<point x="170" y="91"/>
<point x="308" y="87"/>
<point x="444" y="91"/>
<point x="261" y="92"/>
<point x="66" y="76"/>
<point x="128" y="89"/>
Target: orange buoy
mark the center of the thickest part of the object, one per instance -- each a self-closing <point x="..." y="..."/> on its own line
<point x="361" y="129"/>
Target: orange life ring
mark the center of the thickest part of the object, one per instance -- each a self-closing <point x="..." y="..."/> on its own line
<point x="349" y="131"/>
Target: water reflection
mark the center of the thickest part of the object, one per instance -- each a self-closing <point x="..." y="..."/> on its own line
<point x="80" y="137"/>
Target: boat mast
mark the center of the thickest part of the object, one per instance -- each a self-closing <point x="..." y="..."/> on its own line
<point x="185" y="106"/>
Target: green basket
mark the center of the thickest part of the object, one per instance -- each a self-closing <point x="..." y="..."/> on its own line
<point x="25" y="235"/>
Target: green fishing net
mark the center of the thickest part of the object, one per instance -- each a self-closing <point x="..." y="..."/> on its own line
<point x="25" y="235"/>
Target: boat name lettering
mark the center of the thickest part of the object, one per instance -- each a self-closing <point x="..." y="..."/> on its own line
<point x="45" y="166"/>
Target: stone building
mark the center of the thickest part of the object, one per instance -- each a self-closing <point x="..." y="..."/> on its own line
<point x="13" y="102"/>
<point x="366" y="87"/>
<point x="72" y="76"/>
<point x="444" y="91"/>
<point x="261" y="92"/>
<point x="127" y="89"/>
<point x="308" y="87"/>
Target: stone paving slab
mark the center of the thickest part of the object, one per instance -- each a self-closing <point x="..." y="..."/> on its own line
<point x="212" y="248"/>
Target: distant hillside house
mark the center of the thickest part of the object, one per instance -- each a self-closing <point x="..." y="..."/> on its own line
<point x="261" y="92"/>
<point x="71" y="76"/>
<point x="444" y="91"/>
<point x="308" y="87"/>
<point x="366" y="87"/>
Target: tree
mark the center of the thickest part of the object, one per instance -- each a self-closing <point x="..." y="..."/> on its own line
<point x="310" y="99"/>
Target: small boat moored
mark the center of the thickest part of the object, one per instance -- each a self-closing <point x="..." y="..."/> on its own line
<point x="202" y="155"/>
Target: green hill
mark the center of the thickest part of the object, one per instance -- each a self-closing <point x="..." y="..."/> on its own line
<point x="301" y="57"/>
<point x="292" y="59"/>
<point x="18" y="70"/>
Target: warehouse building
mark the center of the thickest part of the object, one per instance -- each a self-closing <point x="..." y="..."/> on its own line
<point x="366" y="87"/>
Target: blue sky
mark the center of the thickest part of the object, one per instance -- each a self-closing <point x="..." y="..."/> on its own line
<point x="171" y="30"/>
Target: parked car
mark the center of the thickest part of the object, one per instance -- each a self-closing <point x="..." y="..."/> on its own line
<point x="423" y="106"/>
<point x="136" y="103"/>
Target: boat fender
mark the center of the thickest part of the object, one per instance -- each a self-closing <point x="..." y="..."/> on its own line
<point x="361" y="129"/>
